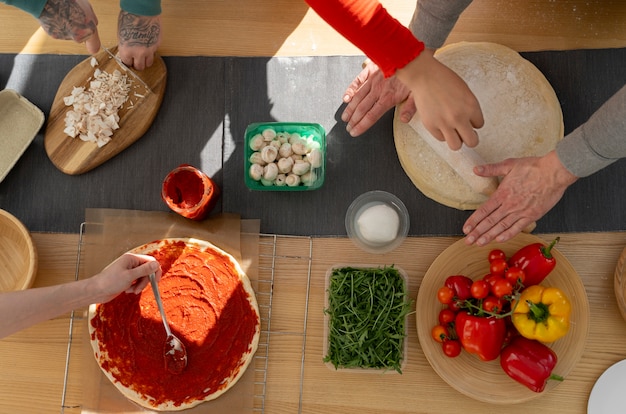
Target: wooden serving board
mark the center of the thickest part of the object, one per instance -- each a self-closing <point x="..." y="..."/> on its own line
<point x="74" y="156"/>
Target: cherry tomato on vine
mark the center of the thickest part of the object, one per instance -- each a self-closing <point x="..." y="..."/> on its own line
<point x="480" y="289"/>
<point x="451" y="347"/>
<point x="515" y="275"/>
<point x="497" y="267"/>
<point x="456" y="305"/>
<point x="492" y="279"/>
<point x="502" y="288"/>
<point x="496" y="254"/>
<point x="439" y="333"/>
<point x="446" y="316"/>
<point x="492" y="304"/>
<point x="445" y="295"/>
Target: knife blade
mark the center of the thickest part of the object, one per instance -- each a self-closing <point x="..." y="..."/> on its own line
<point x="126" y="68"/>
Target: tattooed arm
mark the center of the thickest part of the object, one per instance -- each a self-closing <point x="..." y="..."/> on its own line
<point x="138" y="37"/>
<point x="71" y="20"/>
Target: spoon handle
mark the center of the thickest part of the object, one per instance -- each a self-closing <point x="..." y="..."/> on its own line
<point x="157" y="296"/>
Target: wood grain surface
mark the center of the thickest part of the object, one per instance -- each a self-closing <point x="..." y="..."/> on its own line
<point x="74" y="156"/>
<point x="290" y="28"/>
<point x="33" y="361"/>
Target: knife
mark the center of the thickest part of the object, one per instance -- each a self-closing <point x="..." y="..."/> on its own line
<point x="127" y="69"/>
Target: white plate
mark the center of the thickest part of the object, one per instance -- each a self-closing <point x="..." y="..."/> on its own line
<point x="607" y="395"/>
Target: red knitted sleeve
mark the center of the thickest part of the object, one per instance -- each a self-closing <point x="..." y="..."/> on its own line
<point x="368" y="25"/>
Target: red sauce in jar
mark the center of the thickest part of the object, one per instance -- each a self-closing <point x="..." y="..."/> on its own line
<point x="190" y="192"/>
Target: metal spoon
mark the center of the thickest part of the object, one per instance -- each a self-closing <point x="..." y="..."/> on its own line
<point x="174" y="351"/>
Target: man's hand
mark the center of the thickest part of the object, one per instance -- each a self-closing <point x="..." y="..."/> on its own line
<point x="71" y="20"/>
<point x="530" y="188"/>
<point x="370" y="96"/>
<point x="138" y="39"/>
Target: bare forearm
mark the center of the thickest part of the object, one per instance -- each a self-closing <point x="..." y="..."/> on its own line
<point x="25" y="308"/>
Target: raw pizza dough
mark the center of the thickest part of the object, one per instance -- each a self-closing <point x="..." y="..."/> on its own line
<point x="203" y="312"/>
<point x="522" y="115"/>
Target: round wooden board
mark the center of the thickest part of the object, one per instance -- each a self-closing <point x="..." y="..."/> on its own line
<point x="486" y="381"/>
<point x="522" y="115"/>
<point x="74" y="156"/>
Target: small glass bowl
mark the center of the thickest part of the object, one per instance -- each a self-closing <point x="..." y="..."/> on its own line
<point x="387" y="239"/>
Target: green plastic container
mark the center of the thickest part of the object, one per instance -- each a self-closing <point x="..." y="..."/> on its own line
<point x="313" y="135"/>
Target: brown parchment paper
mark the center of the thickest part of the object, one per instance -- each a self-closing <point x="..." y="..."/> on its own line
<point x="108" y="233"/>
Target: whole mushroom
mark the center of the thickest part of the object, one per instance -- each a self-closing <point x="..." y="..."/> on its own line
<point x="292" y="180"/>
<point x="314" y="158"/>
<point x="257" y="142"/>
<point x="308" y="178"/>
<point x="298" y="146"/>
<point x="256" y="172"/>
<point x="285" y="165"/>
<point x="270" y="172"/>
<point x="269" y="153"/>
<point x="256" y="158"/>
<point x="301" y="167"/>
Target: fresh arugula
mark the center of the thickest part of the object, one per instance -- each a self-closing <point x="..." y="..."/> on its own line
<point x="367" y="309"/>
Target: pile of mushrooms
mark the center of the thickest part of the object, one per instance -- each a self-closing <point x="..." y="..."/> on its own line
<point x="282" y="158"/>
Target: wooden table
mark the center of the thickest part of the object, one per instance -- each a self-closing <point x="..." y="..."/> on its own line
<point x="34" y="361"/>
<point x="289" y="28"/>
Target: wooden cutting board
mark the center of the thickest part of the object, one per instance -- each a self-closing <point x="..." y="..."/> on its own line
<point x="74" y="156"/>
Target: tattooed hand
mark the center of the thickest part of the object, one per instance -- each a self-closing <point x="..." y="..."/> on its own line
<point x="71" y="20"/>
<point x="138" y="37"/>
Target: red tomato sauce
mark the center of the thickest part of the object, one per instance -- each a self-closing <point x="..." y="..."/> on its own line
<point x="207" y="308"/>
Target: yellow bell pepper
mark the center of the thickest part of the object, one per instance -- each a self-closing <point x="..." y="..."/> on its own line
<point x="542" y="313"/>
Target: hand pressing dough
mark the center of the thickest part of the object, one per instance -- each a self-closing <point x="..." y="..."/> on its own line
<point x="522" y="114"/>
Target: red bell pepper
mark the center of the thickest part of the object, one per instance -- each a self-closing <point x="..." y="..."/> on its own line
<point x="535" y="260"/>
<point x="480" y="335"/>
<point x="529" y="362"/>
<point x="461" y="285"/>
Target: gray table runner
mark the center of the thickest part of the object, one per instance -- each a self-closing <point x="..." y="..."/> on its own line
<point x="210" y="101"/>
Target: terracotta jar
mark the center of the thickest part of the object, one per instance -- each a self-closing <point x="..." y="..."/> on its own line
<point x="190" y="192"/>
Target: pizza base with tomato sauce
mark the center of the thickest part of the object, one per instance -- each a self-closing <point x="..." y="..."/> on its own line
<point x="210" y="306"/>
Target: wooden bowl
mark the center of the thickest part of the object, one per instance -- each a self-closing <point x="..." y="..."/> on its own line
<point x="619" y="283"/>
<point x="18" y="256"/>
<point x="486" y="381"/>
